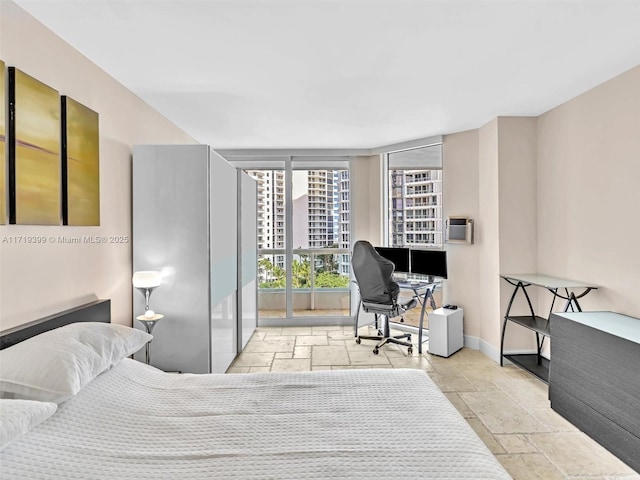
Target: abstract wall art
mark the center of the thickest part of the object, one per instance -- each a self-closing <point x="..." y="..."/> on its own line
<point x="80" y="164"/>
<point x="34" y="151"/>
<point x="3" y="146"/>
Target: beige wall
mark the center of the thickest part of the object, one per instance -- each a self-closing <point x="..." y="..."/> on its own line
<point x="366" y="209"/>
<point x="558" y="194"/>
<point x="487" y="227"/>
<point x="37" y="280"/>
<point x="517" y="216"/>
<point x="367" y="187"/>
<point x="589" y="193"/>
<point x="460" y="198"/>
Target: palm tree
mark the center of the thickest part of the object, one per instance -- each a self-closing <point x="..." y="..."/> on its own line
<point x="272" y="276"/>
<point x="300" y="271"/>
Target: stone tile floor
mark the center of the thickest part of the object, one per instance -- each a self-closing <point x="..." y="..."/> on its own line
<point x="506" y="406"/>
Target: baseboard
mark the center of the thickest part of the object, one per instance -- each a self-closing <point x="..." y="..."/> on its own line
<point x="476" y="343"/>
<point x="489" y="350"/>
<point x="472" y="342"/>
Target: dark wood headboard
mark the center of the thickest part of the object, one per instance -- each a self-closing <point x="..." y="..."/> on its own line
<point x="97" y="311"/>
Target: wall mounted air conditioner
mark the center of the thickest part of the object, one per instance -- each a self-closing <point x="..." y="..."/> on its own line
<point x="459" y="230"/>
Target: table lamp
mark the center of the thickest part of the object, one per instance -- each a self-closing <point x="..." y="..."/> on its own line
<point x="146" y="281"/>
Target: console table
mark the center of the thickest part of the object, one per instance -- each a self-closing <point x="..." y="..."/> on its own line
<point x="595" y="379"/>
<point x="561" y="289"/>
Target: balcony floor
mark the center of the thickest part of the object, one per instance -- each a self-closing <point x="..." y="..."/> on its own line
<point x="412" y="317"/>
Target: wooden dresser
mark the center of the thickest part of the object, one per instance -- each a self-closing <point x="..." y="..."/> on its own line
<point x="594" y="379"/>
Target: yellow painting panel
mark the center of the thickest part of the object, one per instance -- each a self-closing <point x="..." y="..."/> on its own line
<point x="37" y="159"/>
<point x="83" y="165"/>
<point x="3" y="145"/>
<point x="37" y="187"/>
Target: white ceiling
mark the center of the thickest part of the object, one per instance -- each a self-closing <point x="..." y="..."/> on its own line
<point x="347" y="73"/>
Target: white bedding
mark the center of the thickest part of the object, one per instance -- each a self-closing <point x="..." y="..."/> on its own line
<point x="135" y="422"/>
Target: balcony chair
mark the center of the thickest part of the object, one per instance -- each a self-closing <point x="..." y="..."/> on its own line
<point x="379" y="294"/>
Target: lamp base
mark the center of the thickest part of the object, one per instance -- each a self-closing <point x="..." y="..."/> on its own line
<point x="149" y="322"/>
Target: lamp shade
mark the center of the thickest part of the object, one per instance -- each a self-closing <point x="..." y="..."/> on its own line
<point x="147" y="279"/>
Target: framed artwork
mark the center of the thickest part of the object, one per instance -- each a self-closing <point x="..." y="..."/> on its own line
<point x="80" y="164"/>
<point x="3" y="147"/>
<point x="34" y="151"/>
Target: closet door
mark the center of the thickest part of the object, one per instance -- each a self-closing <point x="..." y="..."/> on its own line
<point x="171" y="226"/>
<point x="247" y="258"/>
<point x="224" y="262"/>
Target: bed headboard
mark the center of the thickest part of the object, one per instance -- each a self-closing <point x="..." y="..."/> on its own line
<point x="97" y="311"/>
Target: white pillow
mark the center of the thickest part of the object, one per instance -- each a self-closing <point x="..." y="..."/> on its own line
<point x="17" y="417"/>
<point x="55" y="365"/>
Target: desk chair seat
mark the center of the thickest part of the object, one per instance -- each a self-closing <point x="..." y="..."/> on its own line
<point x="379" y="294"/>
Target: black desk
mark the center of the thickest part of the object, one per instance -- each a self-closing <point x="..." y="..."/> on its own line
<point x="561" y="289"/>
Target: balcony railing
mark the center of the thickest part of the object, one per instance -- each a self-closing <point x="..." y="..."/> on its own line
<point x="311" y="271"/>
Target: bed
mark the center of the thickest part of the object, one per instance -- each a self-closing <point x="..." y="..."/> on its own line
<point x="134" y="421"/>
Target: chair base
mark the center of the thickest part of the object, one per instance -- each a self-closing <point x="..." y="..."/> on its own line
<point x="386" y="337"/>
<point x="397" y="339"/>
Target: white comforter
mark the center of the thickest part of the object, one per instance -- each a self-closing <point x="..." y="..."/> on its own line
<point x="135" y="422"/>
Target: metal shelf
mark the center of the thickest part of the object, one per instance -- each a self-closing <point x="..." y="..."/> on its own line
<point x="535" y="323"/>
<point x="529" y="362"/>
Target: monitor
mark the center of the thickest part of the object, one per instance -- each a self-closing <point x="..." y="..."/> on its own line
<point x="429" y="262"/>
<point x="399" y="257"/>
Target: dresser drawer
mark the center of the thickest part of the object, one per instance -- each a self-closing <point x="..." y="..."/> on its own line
<point x="607" y="433"/>
<point x="623" y="351"/>
<point x="598" y="383"/>
<point x="594" y="378"/>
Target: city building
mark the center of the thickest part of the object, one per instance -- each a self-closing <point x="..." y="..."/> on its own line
<point x="415" y="204"/>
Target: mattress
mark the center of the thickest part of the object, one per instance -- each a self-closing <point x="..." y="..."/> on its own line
<point x="136" y="422"/>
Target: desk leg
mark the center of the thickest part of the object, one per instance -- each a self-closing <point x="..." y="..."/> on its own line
<point x="575" y="301"/>
<point x="575" y="297"/>
<point x="506" y="316"/>
<point x="428" y="297"/>
<point x="504" y="329"/>
<point x="571" y="301"/>
<point x="568" y="304"/>
<point x="424" y="306"/>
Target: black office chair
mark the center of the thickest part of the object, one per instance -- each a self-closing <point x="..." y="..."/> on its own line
<point x="379" y="293"/>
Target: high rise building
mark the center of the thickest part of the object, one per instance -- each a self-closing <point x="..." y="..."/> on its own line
<point x="314" y="209"/>
<point x="322" y="217"/>
<point x="415" y="208"/>
<point x="320" y="211"/>
<point x="271" y="211"/>
<point x="344" y="221"/>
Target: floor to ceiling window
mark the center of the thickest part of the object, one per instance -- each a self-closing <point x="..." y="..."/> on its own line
<point x="272" y="221"/>
<point x="415" y="198"/>
<point x="303" y="239"/>
<point x="414" y="205"/>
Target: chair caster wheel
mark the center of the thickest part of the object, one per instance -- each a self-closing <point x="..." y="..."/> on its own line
<point x="376" y="351"/>
<point x="410" y="350"/>
<point x="409" y="338"/>
<point x="358" y="341"/>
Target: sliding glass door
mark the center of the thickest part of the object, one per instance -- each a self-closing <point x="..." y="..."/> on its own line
<point x="320" y="242"/>
<point x="303" y="240"/>
<point x="272" y="223"/>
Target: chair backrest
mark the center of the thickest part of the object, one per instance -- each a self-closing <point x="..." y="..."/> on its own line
<point x="373" y="274"/>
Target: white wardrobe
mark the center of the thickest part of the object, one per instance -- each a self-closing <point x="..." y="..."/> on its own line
<point x="188" y="205"/>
